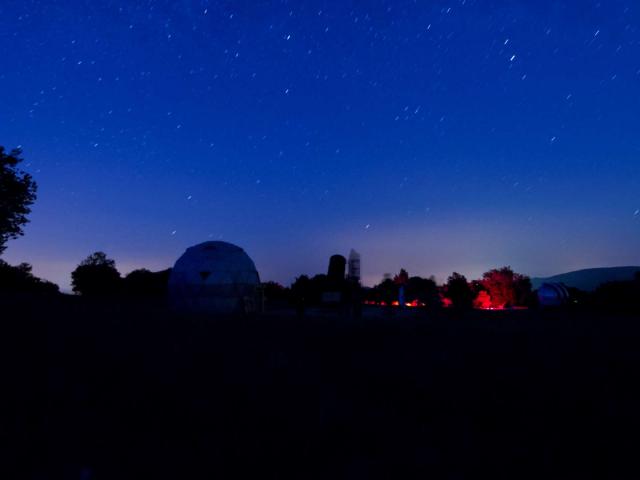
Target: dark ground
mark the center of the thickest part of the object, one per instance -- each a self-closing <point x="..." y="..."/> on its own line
<point x="116" y="391"/>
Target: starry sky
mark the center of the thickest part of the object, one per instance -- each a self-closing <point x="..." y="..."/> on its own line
<point x="435" y="136"/>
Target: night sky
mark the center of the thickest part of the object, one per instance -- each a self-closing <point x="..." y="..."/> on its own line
<point x="435" y="136"/>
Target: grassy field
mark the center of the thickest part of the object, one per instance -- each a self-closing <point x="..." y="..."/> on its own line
<point x="111" y="390"/>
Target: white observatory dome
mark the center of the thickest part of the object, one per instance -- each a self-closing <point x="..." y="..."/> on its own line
<point x="213" y="277"/>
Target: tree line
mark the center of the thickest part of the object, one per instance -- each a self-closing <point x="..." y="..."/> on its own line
<point x="97" y="274"/>
<point x="498" y="288"/>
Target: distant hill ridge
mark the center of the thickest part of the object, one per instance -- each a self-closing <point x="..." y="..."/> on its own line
<point x="590" y="278"/>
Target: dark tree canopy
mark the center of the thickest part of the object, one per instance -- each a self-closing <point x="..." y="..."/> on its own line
<point x="402" y="278"/>
<point x="619" y="295"/>
<point x="96" y="276"/>
<point x="310" y="289"/>
<point x="424" y="291"/>
<point x="274" y="292"/>
<point x="459" y="291"/>
<point x="20" y="279"/>
<point x="143" y="283"/>
<point x="98" y="259"/>
<point x="385" y="292"/>
<point x="17" y="194"/>
<point x="300" y="286"/>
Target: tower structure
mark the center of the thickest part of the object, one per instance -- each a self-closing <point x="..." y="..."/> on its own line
<point x="354" y="266"/>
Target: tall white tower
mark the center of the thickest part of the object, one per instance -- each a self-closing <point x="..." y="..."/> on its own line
<point x="354" y="265"/>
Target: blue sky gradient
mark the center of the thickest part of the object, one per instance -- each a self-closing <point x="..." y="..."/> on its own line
<point x="434" y="136"/>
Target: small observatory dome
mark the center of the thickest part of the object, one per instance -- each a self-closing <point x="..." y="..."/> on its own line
<point x="553" y="295"/>
<point x="214" y="278"/>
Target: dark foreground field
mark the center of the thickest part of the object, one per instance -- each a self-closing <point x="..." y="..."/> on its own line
<point x="108" y="391"/>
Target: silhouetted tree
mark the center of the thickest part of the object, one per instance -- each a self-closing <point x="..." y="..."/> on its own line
<point x="275" y="292"/>
<point x="300" y="294"/>
<point x="424" y="290"/>
<point x="20" y="279"/>
<point x="476" y="287"/>
<point x="386" y="291"/>
<point x="300" y="286"/>
<point x="311" y="289"/>
<point x="402" y="278"/>
<point x="318" y="284"/>
<point x="143" y="283"/>
<point x="620" y="295"/>
<point x="506" y="288"/>
<point x="17" y="194"/>
<point x="459" y="291"/>
<point x="96" y="276"/>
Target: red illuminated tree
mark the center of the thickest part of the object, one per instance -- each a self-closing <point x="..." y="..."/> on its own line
<point x="506" y="288"/>
<point x="483" y="300"/>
